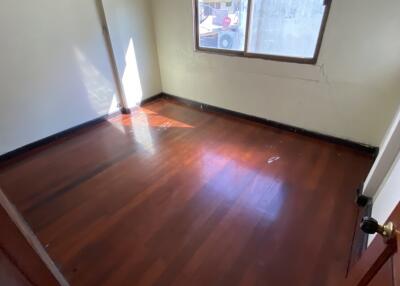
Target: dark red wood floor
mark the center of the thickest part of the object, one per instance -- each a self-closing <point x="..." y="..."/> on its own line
<point x="174" y="196"/>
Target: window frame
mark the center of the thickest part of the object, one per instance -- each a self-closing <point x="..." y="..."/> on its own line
<point x="247" y="54"/>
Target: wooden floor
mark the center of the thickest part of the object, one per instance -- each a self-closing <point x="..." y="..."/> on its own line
<point x="174" y="196"/>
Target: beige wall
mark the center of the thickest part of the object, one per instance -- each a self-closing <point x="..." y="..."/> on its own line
<point x="54" y="67"/>
<point x="350" y="93"/>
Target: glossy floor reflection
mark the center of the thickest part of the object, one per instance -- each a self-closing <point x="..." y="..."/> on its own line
<point x="170" y="195"/>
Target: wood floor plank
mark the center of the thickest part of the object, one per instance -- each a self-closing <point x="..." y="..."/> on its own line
<point x="171" y="195"/>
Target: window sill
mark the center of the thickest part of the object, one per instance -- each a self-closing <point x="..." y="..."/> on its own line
<point x="309" y="61"/>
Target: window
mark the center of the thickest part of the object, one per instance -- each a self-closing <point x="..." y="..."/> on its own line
<point x="287" y="30"/>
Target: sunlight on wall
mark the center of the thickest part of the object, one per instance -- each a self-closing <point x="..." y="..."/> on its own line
<point x="130" y="79"/>
<point x="101" y="93"/>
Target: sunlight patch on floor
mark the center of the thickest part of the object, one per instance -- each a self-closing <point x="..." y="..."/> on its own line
<point x="150" y="118"/>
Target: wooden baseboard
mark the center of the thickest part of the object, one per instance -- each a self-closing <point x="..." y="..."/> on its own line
<point x="371" y="150"/>
<point x="150" y="99"/>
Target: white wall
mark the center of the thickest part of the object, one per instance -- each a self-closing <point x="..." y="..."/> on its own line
<point x="350" y="93"/>
<point x="389" y="148"/>
<point x="133" y="40"/>
<point x="383" y="182"/>
<point x="388" y="195"/>
<point x="54" y="67"/>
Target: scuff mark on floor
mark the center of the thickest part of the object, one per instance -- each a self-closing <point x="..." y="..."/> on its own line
<point x="273" y="159"/>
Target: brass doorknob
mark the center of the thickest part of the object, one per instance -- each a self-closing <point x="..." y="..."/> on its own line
<point x="371" y="226"/>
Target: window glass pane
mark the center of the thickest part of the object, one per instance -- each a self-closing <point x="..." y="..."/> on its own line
<point x="285" y="27"/>
<point x="222" y="24"/>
